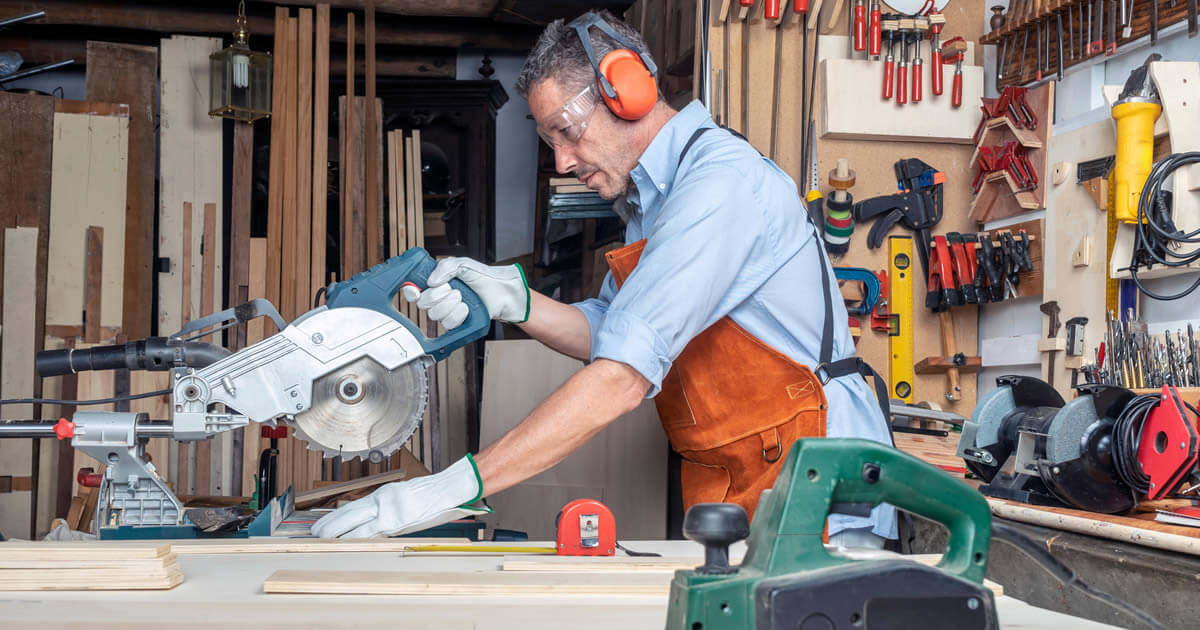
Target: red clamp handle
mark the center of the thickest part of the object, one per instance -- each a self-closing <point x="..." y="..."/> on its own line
<point x="876" y="31"/>
<point x="887" y="79"/>
<point x="771" y="10"/>
<point x="936" y="71"/>
<point x="916" y="81"/>
<point x="860" y="27"/>
<point x="956" y="90"/>
<point x="89" y="477"/>
<point x="800" y="6"/>
<point x="902" y="84"/>
<point x="273" y="433"/>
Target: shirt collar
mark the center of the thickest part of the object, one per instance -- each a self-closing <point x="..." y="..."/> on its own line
<point x="659" y="162"/>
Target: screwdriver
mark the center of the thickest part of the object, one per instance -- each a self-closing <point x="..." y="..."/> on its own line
<point x="875" y="29"/>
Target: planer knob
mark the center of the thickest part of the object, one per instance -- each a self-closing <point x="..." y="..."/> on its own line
<point x="716" y="526"/>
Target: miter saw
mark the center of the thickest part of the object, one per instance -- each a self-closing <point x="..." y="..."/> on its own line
<point x="349" y="377"/>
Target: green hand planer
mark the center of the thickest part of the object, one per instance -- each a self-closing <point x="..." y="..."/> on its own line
<point x="789" y="580"/>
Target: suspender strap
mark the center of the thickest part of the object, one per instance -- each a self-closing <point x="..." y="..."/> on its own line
<point x="826" y="368"/>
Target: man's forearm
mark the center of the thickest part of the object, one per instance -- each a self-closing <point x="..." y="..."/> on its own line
<point x="590" y="400"/>
<point x="560" y="326"/>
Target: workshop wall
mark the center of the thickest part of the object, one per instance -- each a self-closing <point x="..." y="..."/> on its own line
<point x="516" y="156"/>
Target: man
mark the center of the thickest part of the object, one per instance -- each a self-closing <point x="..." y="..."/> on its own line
<point x="720" y="306"/>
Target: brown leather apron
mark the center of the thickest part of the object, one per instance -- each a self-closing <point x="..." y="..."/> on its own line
<point x="731" y="406"/>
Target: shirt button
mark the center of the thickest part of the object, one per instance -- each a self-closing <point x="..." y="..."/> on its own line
<point x="662" y="186"/>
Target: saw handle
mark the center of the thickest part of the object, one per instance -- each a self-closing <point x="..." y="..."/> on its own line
<point x="376" y="289"/>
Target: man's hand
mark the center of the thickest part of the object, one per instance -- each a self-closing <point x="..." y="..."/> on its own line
<point x="409" y="506"/>
<point x="503" y="290"/>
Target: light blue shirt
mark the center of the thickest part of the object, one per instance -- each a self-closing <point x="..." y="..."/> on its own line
<point x="727" y="234"/>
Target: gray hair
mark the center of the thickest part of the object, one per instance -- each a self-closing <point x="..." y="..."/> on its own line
<point x="559" y="55"/>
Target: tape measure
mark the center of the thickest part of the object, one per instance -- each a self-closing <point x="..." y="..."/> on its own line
<point x="585" y="527"/>
<point x="901" y="372"/>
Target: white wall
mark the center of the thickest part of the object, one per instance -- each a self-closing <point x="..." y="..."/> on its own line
<point x="1080" y="102"/>
<point x="516" y="157"/>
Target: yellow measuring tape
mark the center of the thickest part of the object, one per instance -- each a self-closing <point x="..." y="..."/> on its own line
<point x="901" y="372"/>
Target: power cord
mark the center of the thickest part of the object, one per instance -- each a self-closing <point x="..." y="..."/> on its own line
<point x="1157" y="240"/>
<point x="1060" y="571"/>
<point x="82" y="403"/>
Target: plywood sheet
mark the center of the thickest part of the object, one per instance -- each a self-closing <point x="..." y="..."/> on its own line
<point x="89" y="185"/>
<point x="122" y="73"/>
<point x="481" y="583"/>
<point x="190" y="170"/>
<point x="625" y="463"/>
<point x="16" y="368"/>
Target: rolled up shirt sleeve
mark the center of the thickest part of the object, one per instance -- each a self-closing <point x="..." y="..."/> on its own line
<point x="696" y="267"/>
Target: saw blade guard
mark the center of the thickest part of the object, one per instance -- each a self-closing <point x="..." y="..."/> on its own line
<point x="376" y="289"/>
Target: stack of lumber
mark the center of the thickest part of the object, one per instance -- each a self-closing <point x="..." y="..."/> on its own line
<point x="85" y="566"/>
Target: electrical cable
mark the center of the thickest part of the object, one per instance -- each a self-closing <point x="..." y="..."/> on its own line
<point x="1156" y="240"/>
<point x="1062" y="573"/>
<point x="1127" y="436"/>
<point x="81" y="403"/>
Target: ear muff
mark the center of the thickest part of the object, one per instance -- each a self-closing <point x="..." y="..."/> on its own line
<point x="636" y="89"/>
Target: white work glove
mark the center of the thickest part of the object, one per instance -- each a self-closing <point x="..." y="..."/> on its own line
<point x="409" y="506"/>
<point x="503" y="290"/>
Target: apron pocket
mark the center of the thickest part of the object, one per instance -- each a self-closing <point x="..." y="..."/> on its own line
<point x="703" y="483"/>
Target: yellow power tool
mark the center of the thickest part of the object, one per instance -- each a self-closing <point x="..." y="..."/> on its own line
<point x="1136" y="110"/>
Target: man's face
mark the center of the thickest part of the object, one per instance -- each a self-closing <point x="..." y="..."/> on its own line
<point x="599" y="156"/>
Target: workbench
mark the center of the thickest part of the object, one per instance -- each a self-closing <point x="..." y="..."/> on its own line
<point x="222" y="590"/>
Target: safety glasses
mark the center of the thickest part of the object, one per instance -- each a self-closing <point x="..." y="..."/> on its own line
<point x="567" y="125"/>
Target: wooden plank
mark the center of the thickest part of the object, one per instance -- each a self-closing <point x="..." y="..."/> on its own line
<point x="304" y="158"/>
<point x="186" y="312"/>
<point x="158" y="408"/>
<point x="275" y="187"/>
<point x="308" y="498"/>
<point x="122" y="73"/>
<point x="299" y="545"/>
<point x="287" y="276"/>
<point x="320" y="136"/>
<point x="1140" y="531"/>
<point x="251" y="440"/>
<point x="89" y="188"/>
<point x="205" y="476"/>
<point x="371" y="145"/>
<point x="349" y="265"/>
<point x="80" y="550"/>
<point x="93" y="278"/>
<point x="188" y="171"/>
<point x="239" y="226"/>
<point x="16" y="368"/>
<point x="410" y="211"/>
<point x="478" y="583"/>
<point x="89" y="580"/>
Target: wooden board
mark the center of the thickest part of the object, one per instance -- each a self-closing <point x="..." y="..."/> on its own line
<point x="251" y="437"/>
<point x="625" y="464"/>
<point x="937" y="450"/>
<point x="122" y="73"/>
<point x="288" y="272"/>
<point x="69" y="550"/>
<point x="1140" y="529"/>
<point x="372" y="163"/>
<point x="275" y="188"/>
<point x="351" y="171"/>
<point x="89" y="188"/>
<point x="16" y="368"/>
<point x="311" y="497"/>
<point x="303" y="545"/>
<point x="191" y="171"/>
<point x="481" y="583"/>
<point x="320" y="137"/>
<point x="857" y="82"/>
<point x="304" y="160"/>
<point x="88" y="580"/>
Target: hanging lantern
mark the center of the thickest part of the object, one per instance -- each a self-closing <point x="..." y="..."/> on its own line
<point x="240" y="78"/>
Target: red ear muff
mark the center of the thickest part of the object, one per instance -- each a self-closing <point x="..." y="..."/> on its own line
<point x="637" y="91"/>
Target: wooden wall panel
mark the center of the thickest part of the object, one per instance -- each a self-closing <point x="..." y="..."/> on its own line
<point x="191" y="170"/>
<point x="120" y="73"/>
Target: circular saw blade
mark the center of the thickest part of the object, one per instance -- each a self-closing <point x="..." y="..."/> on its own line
<point x="363" y="410"/>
